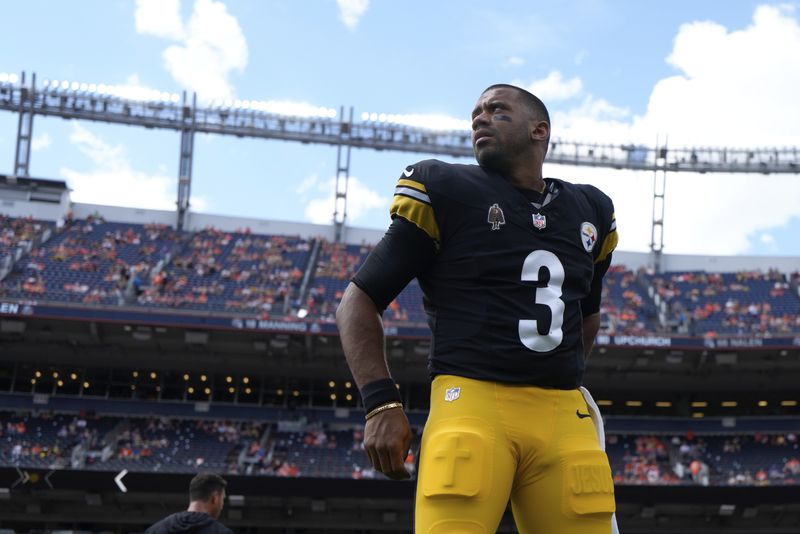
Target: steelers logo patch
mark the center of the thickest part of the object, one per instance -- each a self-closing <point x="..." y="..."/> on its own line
<point x="588" y="236"/>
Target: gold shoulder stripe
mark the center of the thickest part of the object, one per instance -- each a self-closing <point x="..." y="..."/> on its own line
<point x="411" y="183"/>
<point x="609" y="244"/>
<point x="417" y="212"/>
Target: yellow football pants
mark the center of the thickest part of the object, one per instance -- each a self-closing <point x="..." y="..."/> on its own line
<point x="486" y="442"/>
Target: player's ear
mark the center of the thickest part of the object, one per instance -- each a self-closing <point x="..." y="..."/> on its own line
<point x="539" y="130"/>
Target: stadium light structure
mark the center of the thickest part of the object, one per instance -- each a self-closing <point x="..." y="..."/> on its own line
<point x="305" y="123"/>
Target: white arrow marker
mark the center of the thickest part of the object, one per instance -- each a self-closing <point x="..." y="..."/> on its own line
<point x="47" y="478"/>
<point x="118" y="480"/>
<point x="24" y="477"/>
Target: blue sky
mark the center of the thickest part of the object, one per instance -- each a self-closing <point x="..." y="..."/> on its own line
<point x="721" y="73"/>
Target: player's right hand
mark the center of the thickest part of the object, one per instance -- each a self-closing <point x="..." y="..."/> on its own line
<point x="387" y="438"/>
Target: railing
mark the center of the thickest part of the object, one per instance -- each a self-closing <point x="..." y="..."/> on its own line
<point x="247" y="120"/>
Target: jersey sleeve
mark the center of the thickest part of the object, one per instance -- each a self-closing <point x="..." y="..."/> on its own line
<point x="403" y="253"/>
<point x="413" y="203"/>
<point x="609" y="235"/>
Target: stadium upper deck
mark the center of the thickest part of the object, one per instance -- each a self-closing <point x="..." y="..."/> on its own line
<point x="92" y="261"/>
<point x="98" y="255"/>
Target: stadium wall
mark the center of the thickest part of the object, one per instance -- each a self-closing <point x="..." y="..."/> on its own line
<point x="22" y="198"/>
<point x="40" y="211"/>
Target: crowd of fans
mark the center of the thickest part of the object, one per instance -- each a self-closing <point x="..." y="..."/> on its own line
<point x="745" y="303"/>
<point x="624" y="309"/>
<point x="95" y="262"/>
<point x="46" y="440"/>
<point x="127" y="264"/>
<point x="106" y="442"/>
<point x="260" y="448"/>
<point x="160" y="444"/>
<point x="747" y="459"/>
<point x="237" y="271"/>
<point x="337" y="263"/>
<point x="18" y="233"/>
<point x="336" y="266"/>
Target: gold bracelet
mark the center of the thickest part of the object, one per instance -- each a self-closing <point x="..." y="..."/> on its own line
<point x="382" y="408"/>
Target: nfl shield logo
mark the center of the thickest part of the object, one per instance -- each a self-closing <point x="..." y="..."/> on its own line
<point x="539" y="221"/>
<point x="452" y="394"/>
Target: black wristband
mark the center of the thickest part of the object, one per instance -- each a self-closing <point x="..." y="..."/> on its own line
<point x="378" y="393"/>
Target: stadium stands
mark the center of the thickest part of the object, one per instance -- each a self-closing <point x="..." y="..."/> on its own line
<point x="111" y="443"/>
<point x="710" y="304"/>
<point x="718" y="460"/>
<point x="336" y="266"/>
<point x="280" y="414"/>
<point x="18" y="236"/>
<point x="238" y="271"/>
<point x="97" y="262"/>
<point x="169" y="445"/>
<point x="626" y="308"/>
<point x="93" y="261"/>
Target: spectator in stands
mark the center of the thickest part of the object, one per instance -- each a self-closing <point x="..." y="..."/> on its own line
<point x="206" y="499"/>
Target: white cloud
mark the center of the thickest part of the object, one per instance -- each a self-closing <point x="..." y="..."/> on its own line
<point x="351" y="11"/>
<point x="360" y="200"/>
<point x="554" y="87"/>
<point x="40" y="142"/>
<point x="595" y="119"/>
<point x="631" y="192"/>
<point x="710" y="214"/>
<point x="768" y="240"/>
<point x="113" y="180"/>
<point x="161" y="18"/>
<point x="732" y="89"/>
<point x="209" y="47"/>
<point x="515" y="61"/>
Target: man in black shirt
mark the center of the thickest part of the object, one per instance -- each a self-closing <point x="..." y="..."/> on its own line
<point x="510" y="265"/>
<point x="206" y="499"/>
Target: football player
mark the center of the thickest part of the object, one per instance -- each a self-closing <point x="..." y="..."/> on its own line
<point x="510" y="265"/>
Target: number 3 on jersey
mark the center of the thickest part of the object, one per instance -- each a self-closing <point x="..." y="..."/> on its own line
<point x="550" y="296"/>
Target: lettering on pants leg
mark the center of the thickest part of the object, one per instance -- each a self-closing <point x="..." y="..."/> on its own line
<point x="453" y="463"/>
<point x="588" y="486"/>
<point x="590" y="479"/>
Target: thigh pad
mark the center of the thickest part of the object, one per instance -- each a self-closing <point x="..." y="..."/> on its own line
<point x="456" y="460"/>
<point x="587" y="484"/>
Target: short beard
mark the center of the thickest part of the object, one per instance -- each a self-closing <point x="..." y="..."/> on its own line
<point x="492" y="159"/>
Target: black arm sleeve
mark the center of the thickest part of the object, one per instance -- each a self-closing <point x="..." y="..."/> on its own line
<point x="591" y="304"/>
<point x="404" y="252"/>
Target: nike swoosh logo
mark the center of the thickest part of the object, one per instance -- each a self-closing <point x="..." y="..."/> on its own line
<point x="582" y="415"/>
<point x="408" y="173"/>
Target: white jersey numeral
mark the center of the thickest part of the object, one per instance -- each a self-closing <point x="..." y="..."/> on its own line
<point x="550" y="296"/>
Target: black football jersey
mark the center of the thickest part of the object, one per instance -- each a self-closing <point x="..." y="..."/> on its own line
<point x="503" y="292"/>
